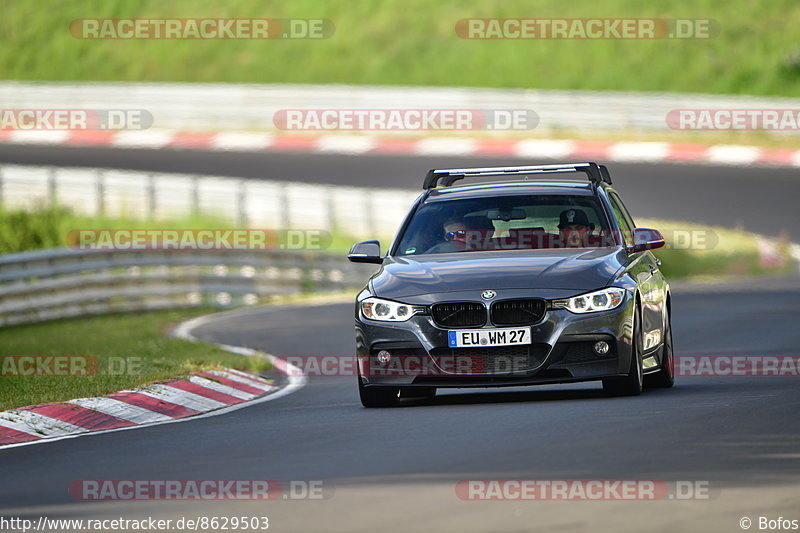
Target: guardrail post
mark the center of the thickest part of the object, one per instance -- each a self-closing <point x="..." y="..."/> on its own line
<point x="100" y="205"/>
<point x="331" y="206"/>
<point x="369" y="211"/>
<point x="51" y="187"/>
<point x="286" y="211"/>
<point x="241" y="205"/>
<point x="195" y="195"/>
<point x="151" y="197"/>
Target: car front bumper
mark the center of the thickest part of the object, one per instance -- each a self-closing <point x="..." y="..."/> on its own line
<point x="561" y="351"/>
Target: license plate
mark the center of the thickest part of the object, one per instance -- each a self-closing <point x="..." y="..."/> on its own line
<point x="479" y="338"/>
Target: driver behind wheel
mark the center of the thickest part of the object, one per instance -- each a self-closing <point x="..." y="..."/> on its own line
<point x="575" y="228"/>
<point x="455" y="232"/>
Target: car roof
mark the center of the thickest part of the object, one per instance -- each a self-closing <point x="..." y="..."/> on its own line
<point x="505" y="188"/>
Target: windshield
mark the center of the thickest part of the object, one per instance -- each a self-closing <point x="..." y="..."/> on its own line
<point x="506" y="223"/>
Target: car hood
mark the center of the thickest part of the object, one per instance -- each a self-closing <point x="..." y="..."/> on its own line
<point x="570" y="269"/>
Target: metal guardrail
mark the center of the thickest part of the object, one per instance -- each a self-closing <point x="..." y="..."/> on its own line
<point x="244" y="202"/>
<point x="216" y="106"/>
<point x="64" y="283"/>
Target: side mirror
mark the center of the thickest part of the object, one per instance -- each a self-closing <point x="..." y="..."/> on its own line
<point x="366" y="252"/>
<point x="646" y="239"/>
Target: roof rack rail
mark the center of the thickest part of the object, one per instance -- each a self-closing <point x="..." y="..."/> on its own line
<point x="605" y="174"/>
<point x="596" y="173"/>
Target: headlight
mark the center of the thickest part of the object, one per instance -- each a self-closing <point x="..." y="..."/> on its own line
<point x="388" y="311"/>
<point x="591" y="302"/>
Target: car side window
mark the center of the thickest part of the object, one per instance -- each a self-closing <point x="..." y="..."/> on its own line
<point x="623" y="218"/>
<point x="625" y="212"/>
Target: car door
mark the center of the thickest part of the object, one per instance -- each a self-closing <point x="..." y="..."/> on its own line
<point x="644" y="269"/>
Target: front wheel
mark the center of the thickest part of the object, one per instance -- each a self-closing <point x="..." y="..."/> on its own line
<point x="665" y="377"/>
<point x="630" y="385"/>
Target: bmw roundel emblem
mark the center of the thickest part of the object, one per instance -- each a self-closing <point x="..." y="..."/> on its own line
<point x="488" y="295"/>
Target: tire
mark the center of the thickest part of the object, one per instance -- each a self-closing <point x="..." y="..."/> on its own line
<point x="665" y="377"/>
<point x="632" y="384"/>
<point x="378" y="396"/>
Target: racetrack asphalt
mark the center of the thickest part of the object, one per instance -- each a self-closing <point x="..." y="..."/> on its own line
<point x="739" y="434"/>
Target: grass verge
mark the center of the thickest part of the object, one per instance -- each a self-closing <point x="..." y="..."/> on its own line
<point x="48" y="226"/>
<point x="699" y="251"/>
<point x="130" y="350"/>
<point x="393" y="43"/>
